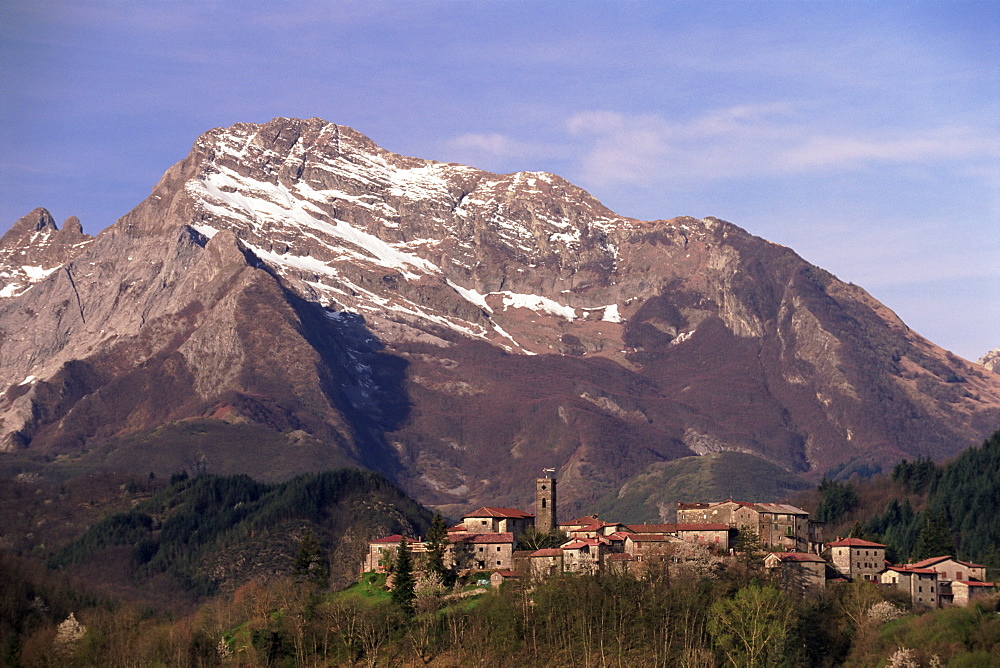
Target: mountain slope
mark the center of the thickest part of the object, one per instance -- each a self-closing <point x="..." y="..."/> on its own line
<point x="460" y="330"/>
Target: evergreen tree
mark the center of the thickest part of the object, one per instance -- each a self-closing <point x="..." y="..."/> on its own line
<point x="310" y="564"/>
<point x="837" y="499"/>
<point x="934" y="539"/>
<point x="403" y="582"/>
<point x="437" y="543"/>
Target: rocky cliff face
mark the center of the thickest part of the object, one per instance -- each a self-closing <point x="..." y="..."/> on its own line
<point x="34" y="248"/>
<point x="991" y="360"/>
<point x="459" y="330"/>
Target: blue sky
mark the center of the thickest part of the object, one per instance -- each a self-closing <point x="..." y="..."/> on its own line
<point x="864" y="135"/>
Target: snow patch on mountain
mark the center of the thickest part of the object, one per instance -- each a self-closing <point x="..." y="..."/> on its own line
<point x="537" y="303"/>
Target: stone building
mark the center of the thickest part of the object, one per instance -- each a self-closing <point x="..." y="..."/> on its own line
<point x="546" y="563"/>
<point x="590" y="526"/>
<point x="717" y="535"/>
<point x="545" y="504"/>
<point x="798" y="572"/>
<point x="964" y="592"/>
<point x="498" y="520"/>
<point x="776" y="524"/>
<point x="855" y="558"/>
<point x="919" y="584"/>
<point x="951" y="570"/>
<point x="381" y="551"/>
<point x="482" y="551"/>
<point x="585" y="555"/>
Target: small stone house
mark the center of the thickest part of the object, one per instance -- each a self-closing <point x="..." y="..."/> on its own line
<point x="855" y="558"/>
<point x="497" y="578"/>
<point x="619" y="562"/>
<point x="715" y="534"/>
<point x="584" y="555"/>
<point x="498" y="520"/>
<point x="965" y="591"/>
<point x="798" y="572"/>
<point x="649" y="543"/>
<point x="483" y="551"/>
<point x="378" y="549"/>
<point x="919" y="584"/>
<point x="545" y="563"/>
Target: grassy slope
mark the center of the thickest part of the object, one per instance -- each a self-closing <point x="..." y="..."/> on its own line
<point x="653" y="495"/>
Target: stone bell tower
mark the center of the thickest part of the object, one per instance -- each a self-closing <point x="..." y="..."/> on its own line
<point x="545" y="502"/>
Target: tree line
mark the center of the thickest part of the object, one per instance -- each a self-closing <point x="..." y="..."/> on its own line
<point x="954" y="509"/>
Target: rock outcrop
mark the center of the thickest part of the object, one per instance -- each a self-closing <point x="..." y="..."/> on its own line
<point x="991" y="360"/>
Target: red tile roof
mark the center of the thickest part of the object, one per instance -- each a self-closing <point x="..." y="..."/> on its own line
<point x="938" y="560"/>
<point x="974" y="583"/>
<point x="853" y="542"/>
<point x="586" y="520"/>
<point x="547" y="552"/>
<point x="777" y="508"/>
<point x="581" y="542"/>
<point x="911" y="569"/>
<point x="512" y="513"/>
<point x="394" y="539"/>
<point x="575" y="528"/>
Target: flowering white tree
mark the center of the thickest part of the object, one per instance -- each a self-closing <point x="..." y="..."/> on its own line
<point x="903" y="658"/>
<point x="884" y="611"/>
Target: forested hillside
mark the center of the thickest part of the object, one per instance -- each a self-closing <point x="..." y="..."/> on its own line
<point x="924" y="509"/>
<point x="219" y="531"/>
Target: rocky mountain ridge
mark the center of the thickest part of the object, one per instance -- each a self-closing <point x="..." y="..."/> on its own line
<point x="34" y="247"/>
<point x="459" y="330"/>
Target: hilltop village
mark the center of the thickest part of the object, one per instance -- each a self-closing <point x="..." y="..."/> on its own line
<point x="488" y="542"/>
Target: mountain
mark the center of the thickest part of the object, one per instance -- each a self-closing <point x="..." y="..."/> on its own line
<point x="293" y="297"/>
<point x="34" y="248"/>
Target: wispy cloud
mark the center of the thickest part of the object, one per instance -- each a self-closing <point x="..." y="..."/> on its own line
<point x="492" y="143"/>
<point x="755" y="141"/>
<point x="822" y="151"/>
